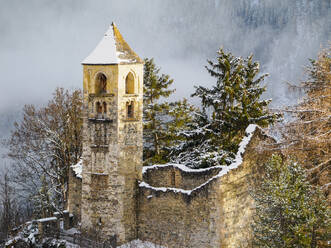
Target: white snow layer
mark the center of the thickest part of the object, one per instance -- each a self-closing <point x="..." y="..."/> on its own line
<point x="31" y="239"/>
<point x="47" y="219"/>
<point x="105" y="51"/>
<point x="179" y="166"/>
<point x="77" y="168"/>
<point x="140" y="244"/>
<point x="225" y="169"/>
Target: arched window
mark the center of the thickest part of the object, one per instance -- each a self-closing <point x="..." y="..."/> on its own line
<point x="101" y="83"/>
<point x="105" y="107"/>
<point x="130" y="110"/>
<point x="129" y="84"/>
<point x="99" y="108"/>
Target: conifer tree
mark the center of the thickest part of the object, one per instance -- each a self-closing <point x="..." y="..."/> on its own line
<point x="156" y="88"/>
<point x="228" y="108"/>
<point x="181" y="114"/>
<point x="290" y="212"/>
<point x="234" y="102"/>
<point x="163" y="121"/>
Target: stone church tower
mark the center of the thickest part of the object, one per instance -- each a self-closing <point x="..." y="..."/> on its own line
<point x="112" y="145"/>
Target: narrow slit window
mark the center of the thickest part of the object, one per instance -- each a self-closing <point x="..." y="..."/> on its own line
<point x="105" y="108"/>
<point x="130" y="110"/>
<point x="173" y="179"/>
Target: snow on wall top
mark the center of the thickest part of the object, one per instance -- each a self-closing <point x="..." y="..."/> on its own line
<point x="77" y="168"/>
<point x="225" y="169"/>
<point x="178" y="166"/>
<point x="112" y="49"/>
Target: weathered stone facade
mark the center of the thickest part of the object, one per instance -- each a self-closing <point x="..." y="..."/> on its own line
<point x="75" y="196"/>
<point x="112" y="143"/>
<point x="168" y="204"/>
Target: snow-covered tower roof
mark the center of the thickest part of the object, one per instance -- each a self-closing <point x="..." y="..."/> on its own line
<point x="112" y="49"/>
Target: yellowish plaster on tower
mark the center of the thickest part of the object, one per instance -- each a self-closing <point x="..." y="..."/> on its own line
<point x="112" y="145"/>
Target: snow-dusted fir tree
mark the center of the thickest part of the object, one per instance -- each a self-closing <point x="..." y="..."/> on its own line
<point x="228" y="108"/>
<point x="156" y="88"/>
<point x="195" y="147"/>
<point x="290" y="212"/>
<point x="163" y="121"/>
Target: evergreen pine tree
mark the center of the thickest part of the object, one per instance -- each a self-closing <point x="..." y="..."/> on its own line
<point x="228" y="108"/>
<point x="290" y="212"/>
<point x="156" y="88"/>
<point x="195" y="147"/>
<point x="163" y="121"/>
<point x="234" y="102"/>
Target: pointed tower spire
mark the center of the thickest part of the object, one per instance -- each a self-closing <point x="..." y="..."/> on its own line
<point x="112" y="49"/>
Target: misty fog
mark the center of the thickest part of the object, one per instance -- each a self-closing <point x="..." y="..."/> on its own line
<point x="43" y="41"/>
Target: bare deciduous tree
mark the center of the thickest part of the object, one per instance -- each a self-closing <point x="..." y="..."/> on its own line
<point x="308" y="136"/>
<point x="43" y="146"/>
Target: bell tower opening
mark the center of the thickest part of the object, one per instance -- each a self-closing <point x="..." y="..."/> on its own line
<point x="129" y="84"/>
<point x="101" y="84"/>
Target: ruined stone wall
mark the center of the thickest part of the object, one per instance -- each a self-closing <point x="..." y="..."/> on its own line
<point x="178" y="220"/>
<point x="74" y="196"/>
<point x="218" y="214"/>
<point x="236" y="205"/>
<point x="173" y="176"/>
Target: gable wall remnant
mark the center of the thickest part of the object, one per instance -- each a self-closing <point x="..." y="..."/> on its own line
<point x="235" y="203"/>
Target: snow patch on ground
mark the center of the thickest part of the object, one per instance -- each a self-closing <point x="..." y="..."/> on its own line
<point x="77" y="168"/>
<point x="225" y="169"/>
<point x="27" y="235"/>
<point x="47" y="219"/>
<point x="140" y="244"/>
<point x="72" y="231"/>
<point x="52" y="242"/>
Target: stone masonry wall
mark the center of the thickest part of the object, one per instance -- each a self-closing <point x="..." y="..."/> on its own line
<point x="218" y="214"/>
<point x="236" y="205"/>
<point x="74" y="196"/>
<point x="172" y="176"/>
<point x="178" y="220"/>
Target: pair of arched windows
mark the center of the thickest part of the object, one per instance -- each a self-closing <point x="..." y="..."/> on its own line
<point x="101" y="84"/>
